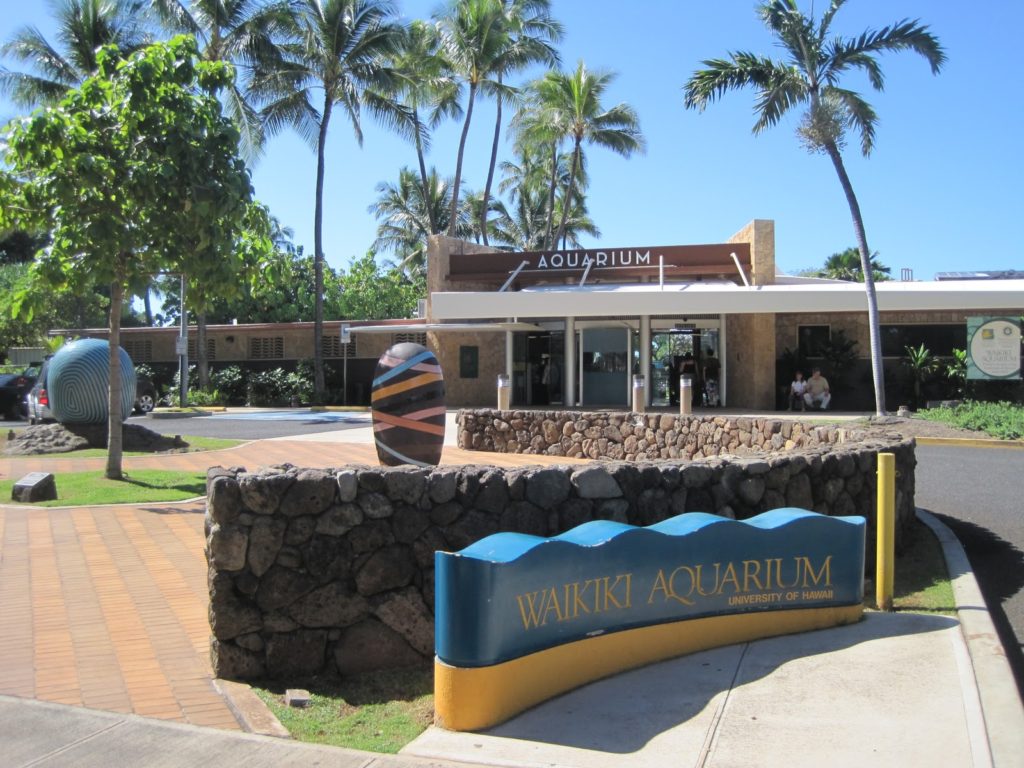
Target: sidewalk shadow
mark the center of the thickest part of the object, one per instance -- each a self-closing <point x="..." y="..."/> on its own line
<point x="622" y="714"/>
<point x="999" y="568"/>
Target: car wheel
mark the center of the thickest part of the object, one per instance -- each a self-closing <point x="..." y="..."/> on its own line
<point x="145" y="402"/>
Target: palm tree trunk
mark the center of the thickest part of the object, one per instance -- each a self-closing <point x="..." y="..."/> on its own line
<point x="114" y="443"/>
<point x="551" y="194"/>
<point x="458" y="162"/>
<point x="567" y="200"/>
<point x="423" y="172"/>
<point x="874" y="328"/>
<point x="318" y="259"/>
<point x="490" y="168"/>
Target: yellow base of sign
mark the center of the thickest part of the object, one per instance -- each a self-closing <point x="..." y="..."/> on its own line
<point x="473" y="698"/>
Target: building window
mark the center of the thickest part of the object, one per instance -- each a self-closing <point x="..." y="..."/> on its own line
<point x="139" y="350"/>
<point x="211" y="349"/>
<point x="811" y="339"/>
<point x="939" y="339"/>
<point x="469" y="362"/>
<point x="266" y="347"/>
<point x="411" y="338"/>
<point x="333" y="347"/>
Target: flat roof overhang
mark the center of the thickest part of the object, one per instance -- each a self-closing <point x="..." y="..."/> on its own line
<point x="717" y="298"/>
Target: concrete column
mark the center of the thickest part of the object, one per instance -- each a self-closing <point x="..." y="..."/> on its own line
<point x="569" y="369"/>
<point x="723" y="357"/>
<point x="645" y="356"/>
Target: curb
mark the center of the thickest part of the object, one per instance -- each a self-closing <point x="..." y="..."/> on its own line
<point x="252" y="714"/>
<point x="970" y="442"/>
<point x="1001" y="705"/>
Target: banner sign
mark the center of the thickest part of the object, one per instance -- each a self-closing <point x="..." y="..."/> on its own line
<point x="510" y="594"/>
<point x="993" y="348"/>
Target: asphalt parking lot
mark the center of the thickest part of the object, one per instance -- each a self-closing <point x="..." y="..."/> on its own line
<point x="256" y="425"/>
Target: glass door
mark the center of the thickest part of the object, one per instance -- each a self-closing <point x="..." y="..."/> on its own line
<point x="605" y="366"/>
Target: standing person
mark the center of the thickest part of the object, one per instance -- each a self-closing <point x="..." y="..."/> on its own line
<point x="541" y="396"/>
<point x="817" y="395"/>
<point x="552" y="379"/>
<point x="796" y="392"/>
<point x="711" y="367"/>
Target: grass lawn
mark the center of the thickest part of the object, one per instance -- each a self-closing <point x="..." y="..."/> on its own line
<point x="140" y="486"/>
<point x="377" y="712"/>
<point x="921" y="583"/>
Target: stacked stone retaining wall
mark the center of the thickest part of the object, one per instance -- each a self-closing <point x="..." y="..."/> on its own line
<point x="331" y="571"/>
<point x="638" y="436"/>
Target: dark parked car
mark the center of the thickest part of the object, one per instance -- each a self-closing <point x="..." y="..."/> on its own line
<point x="38" y="401"/>
<point x="13" y="388"/>
<point x="145" y="394"/>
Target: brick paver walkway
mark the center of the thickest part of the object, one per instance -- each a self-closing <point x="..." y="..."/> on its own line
<point x="106" y="607"/>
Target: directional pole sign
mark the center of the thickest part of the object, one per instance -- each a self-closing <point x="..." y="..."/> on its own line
<point x="993" y="348"/>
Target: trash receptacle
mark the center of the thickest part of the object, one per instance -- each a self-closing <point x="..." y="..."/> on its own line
<point x="639" y="392"/>
<point x="504" y="391"/>
<point x="686" y="394"/>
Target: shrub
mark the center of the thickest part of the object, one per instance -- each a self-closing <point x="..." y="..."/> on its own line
<point x="230" y="382"/>
<point x="1003" y="420"/>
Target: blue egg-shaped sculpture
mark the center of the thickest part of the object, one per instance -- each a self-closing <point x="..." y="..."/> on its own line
<point x="408" y="406"/>
<point x="78" y="382"/>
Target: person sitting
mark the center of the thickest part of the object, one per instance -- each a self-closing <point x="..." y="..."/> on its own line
<point x="796" y="392"/>
<point x="817" y="395"/>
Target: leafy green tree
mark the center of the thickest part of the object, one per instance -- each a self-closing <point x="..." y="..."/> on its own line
<point x="341" y="48"/>
<point x="372" y="293"/>
<point x="83" y="27"/>
<point x="846" y="265"/>
<point x="577" y="97"/>
<point x="134" y="173"/>
<point x="20" y="247"/>
<point x="809" y="77"/>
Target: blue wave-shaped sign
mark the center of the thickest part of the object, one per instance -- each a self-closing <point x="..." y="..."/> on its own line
<point x="512" y="594"/>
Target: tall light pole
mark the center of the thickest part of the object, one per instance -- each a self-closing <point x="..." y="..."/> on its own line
<point x="183" y="351"/>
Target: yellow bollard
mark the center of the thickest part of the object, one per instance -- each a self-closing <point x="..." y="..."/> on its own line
<point x="885" y="531"/>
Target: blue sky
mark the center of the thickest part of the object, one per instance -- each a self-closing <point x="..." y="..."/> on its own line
<point x="939" y="193"/>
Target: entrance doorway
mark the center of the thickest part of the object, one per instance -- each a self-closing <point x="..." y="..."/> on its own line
<point x="679" y="351"/>
<point x="538" y="363"/>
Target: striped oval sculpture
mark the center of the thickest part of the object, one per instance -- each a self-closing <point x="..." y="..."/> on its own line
<point x="77" y="382"/>
<point x="408" y="406"/>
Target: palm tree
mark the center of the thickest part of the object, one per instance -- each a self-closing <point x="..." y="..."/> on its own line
<point x="539" y="129"/>
<point x="576" y="98"/>
<point x="846" y="265"/>
<point x="523" y="228"/>
<point x="424" y="84"/>
<point x="473" y="40"/>
<point x="530" y="35"/>
<point x="339" y="47"/>
<point x="83" y="27"/>
<point x="809" y="77"/>
<point x="240" y="32"/>
<point x="407" y="217"/>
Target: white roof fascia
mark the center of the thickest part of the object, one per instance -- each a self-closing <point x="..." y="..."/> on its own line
<point x="449" y="327"/>
<point x="700" y="298"/>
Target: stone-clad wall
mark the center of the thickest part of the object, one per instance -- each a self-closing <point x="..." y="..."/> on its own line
<point x="331" y="571"/>
<point x="637" y="436"/>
